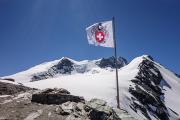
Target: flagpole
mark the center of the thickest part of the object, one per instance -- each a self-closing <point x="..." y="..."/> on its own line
<point x="115" y="54"/>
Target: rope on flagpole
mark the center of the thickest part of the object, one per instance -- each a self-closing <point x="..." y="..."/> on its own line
<point x="115" y="54"/>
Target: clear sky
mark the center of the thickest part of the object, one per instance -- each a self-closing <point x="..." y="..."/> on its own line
<point x="36" y="31"/>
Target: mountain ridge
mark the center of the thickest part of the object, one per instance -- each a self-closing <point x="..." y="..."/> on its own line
<point x="65" y="66"/>
<point x="146" y="87"/>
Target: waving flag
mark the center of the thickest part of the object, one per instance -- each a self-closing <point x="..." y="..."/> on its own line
<point x="101" y="34"/>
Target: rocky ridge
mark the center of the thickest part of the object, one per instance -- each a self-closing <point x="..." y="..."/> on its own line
<point x="148" y="96"/>
<point x="10" y="89"/>
<point x="67" y="66"/>
<point x="55" y="104"/>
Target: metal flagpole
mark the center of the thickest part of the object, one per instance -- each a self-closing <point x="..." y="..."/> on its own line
<point x="115" y="54"/>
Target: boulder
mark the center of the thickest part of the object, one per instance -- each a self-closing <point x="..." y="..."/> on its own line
<point x="99" y="105"/>
<point x="55" y="96"/>
<point x="98" y="109"/>
<point x="10" y="89"/>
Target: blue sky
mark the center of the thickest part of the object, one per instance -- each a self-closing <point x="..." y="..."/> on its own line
<point x="36" y="31"/>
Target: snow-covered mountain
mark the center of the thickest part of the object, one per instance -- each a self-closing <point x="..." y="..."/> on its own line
<point x="147" y="89"/>
<point x="66" y="66"/>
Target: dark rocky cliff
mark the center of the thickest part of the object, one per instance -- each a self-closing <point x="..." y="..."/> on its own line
<point x="147" y="90"/>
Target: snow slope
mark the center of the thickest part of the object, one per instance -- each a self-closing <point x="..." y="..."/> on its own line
<point x="100" y="83"/>
<point x="172" y="98"/>
<point x="26" y="76"/>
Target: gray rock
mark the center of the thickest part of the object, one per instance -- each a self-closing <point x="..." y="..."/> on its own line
<point x="110" y="62"/>
<point x="148" y="91"/>
<point x="55" y="96"/>
<point x="10" y="89"/>
<point x="72" y="117"/>
<point x="55" y="91"/>
<point x="34" y="115"/>
<point x="99" y="105"/>
<point x="65" y="66"/>
<point x="119" y="114"/>
<point x="98" y="110"/>
<point x="68" y="107"/>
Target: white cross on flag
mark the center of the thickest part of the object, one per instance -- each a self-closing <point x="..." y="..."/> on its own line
<point x="101" y="34"/>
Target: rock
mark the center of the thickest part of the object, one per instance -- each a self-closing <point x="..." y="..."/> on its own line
<point x="119" y="114"/>
<point x="60" y="111"/>
<point x="94" y="109"/>
<point x="20" y="107"/>
<point x="55" y="91"/>
<point x="98" y="110"/>
<point x="99" y="105"/>
<point x="147" y="90"/>
<point x="3" y="118"/>
<point x="68" y="107"/>
<point x="9" y="79"/>
<point x="65" y="66"/>
<point x="74" y="111"/>
<point x="80" y="106"/>
<point x="10" y="89"/>
<point x="34" y="115"/>
<point x="110" y="62"/>
<point x="55" y="96"/>
<point x="72" y="117"/>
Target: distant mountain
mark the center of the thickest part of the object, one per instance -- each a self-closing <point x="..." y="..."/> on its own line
<point x="67" y="66"/>
<point x="147" y="89"/>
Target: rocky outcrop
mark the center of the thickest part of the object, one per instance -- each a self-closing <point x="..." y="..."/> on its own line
<point x="98" y="110"/>
<point x="94" y="109"/>
<point x="53" y="104"/>
<point x="9" y="79"/>
<point x="147" y="90"/>
<point x="10" y="89"/>
<point x="55" y="96"/>
<point x="76" y="108"/>
<point x="65" y="66"/>
<point x="110" y="62"/>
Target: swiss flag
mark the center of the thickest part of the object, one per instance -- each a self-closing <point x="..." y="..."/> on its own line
<point x="101" y="34"/>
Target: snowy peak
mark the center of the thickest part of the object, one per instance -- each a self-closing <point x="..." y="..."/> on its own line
<point x="69" y="66"/>
<point x="66" y="66"/>
<point x="149" y="91"/>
